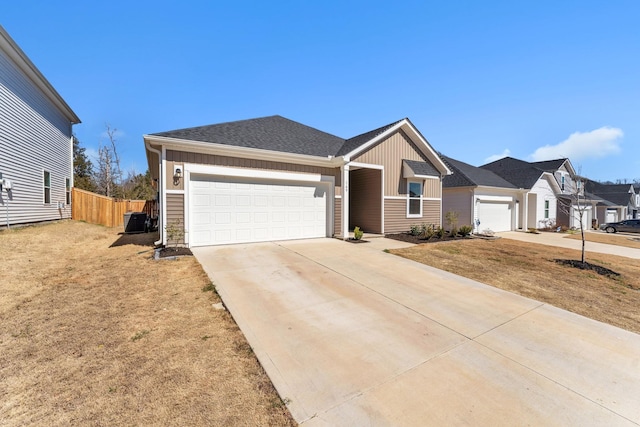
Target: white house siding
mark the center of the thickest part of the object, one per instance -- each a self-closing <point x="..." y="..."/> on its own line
<point x="458" y="200"/>
<point x="34" y="136"/>
<point x="543" y="191"/>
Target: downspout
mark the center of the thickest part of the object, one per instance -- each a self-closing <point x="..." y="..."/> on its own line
<point x="160" y="187"/>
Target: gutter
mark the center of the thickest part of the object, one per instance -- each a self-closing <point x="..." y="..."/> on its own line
<point x="160" y="192"/>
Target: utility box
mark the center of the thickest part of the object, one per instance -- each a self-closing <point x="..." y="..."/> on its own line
<point x="135" y="222"/>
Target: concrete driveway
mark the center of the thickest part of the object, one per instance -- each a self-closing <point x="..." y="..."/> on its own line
<point x="351" y="335"/>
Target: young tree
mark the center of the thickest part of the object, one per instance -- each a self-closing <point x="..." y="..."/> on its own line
<point x="82" y="168"/>
<point x="575" y="203"/>
<point x="108" y="174"/>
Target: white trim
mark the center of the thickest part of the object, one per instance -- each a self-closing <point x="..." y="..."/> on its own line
<point x="163" y="191"/>
<point x="345" y="201"/>
<point x="252" y="173"/>
<point x="338" y="196"/>
<point x="420" y="198"/>
<point x="382" y="202"/>
<point x="365" y="165"/>
<point x="175" y="191"/>
<point x="187" y="220"/>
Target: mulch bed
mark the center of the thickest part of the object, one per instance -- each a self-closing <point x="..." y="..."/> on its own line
<point x="174" y="251"/>
<point x="352" y="240"/>
<point x="603" y="271"/>
<point x="410" y="238"/>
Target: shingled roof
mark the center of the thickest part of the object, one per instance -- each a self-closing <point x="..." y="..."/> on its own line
<point x="617" y="194"/>
<point x="355" y="142"/>
<point x="274" y="133"/>
<point x="466" y="175"/>
<point x="518" y="172"/>
<point x="550" y="165"/>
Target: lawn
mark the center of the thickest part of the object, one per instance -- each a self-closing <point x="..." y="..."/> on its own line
<point x="626" y="240"/>
<point x="95" y="332"/>
<point x="529" y="269"/>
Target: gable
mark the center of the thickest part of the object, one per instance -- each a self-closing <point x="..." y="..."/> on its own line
<point x="391" y="151"/>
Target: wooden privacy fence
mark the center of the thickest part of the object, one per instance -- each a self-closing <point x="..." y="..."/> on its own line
<point x="103" y="210"/>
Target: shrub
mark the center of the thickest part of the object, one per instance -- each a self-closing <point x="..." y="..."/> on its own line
<point x="357" y="233"/>
<point x="175" y="232"/>
<point x="452" y="220"/>
<point x="414" y="230"/>
<point x="440" y="232"/>
<point x="429" y="232"/>
<point x="453" y="232"/>
<point x="465" y="230"/>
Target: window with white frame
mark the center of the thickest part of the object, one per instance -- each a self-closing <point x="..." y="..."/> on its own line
<point x="546" y="209"/>
<point x="562" y="183"/>
<point x="67" y="186"/>
<point x="414" y="199"/>
<point x="47" y="187"/>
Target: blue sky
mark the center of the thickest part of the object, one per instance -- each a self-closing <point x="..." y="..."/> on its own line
<point x="535" y="80"/>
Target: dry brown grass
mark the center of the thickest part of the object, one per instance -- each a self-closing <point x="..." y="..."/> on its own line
<point x="98" y="335"/>
<point x="529" y="269"/>
<point x="626" y="240"/>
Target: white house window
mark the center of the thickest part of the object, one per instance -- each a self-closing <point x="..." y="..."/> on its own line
<point x="546" y="209"/>
<point x="67" y="186"/>
<point x="414" y="199"/>
<point x="562" y="183"/>
<point x="47" y="187"/>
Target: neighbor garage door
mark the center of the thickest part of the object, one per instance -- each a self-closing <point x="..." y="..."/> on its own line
<point x="238" y="210"/>
<point x="495" y="216"/>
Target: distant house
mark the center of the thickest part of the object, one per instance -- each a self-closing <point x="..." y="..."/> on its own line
<point x="272" y="178"/>
<point x="36" y="149"/>
<point x="541" y="190"/>
<point x="615" y="201"/>
<point x="481" y="198"/>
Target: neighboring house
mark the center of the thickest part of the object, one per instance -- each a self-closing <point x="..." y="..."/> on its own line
<point x="615" y="201"/>
<point x="272" y="178"/>
<point x="36" y="149"/>
<point x="481" y="198"/>
<point x="539" y="204"/>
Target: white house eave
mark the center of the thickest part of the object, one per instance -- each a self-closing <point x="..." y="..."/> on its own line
<point x="10" y="47"/>
<point x="243" y="152"/>
<point x="424" y="145"/>
<point x="552" y="182"/>
<point x="503" y="189"/>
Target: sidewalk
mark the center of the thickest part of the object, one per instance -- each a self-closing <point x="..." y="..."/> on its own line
<point x="560" y="240"/>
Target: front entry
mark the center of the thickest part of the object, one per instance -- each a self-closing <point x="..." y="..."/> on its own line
<point x="365" y="200"/>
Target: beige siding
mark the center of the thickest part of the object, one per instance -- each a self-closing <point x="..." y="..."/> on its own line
<point x="180" y="157"/>
<point x="169" y="176"/>
<point x="395" y="215"/>
<point x="390" y="153"/>
<point x="175" y="211"/>
<point x="365" y="200"/>
<point x="337" y="220"/>
<point x="432" y="188"/>
<point x="458" y="200"/>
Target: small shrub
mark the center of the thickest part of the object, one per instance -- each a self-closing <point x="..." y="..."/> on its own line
<point x="465" y="230"/>
<point x="453" y="232"/>
<point x="423" y="229"/>
<point x="440" y="232"/>
<point x="357" y="233"/>
<point x="414" y="230"/>
<point x="175" y="232"/>
<point x="429" y="232"/>
<point x="452" y="219"/>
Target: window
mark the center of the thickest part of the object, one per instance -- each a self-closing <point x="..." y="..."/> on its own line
<point x="47" y="187"/>
<point x="414" y="199"/>
<point x="562" y="183"/>
<point x="67" y="186"/>
<point x="546" y="209"/>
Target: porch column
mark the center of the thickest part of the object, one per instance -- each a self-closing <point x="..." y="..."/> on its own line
<point x="345" y="201"/>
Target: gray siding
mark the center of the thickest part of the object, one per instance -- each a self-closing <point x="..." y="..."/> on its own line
<point x="458" y="200"/>
<point x="34" y="136"/>
<point x="395" y="215"/>
<point x="175" y="212"/>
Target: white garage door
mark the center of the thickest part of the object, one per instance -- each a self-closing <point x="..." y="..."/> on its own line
<point x="238" y="210"/>
<point x="494" y="216"/>
<point x="612" y="215"/>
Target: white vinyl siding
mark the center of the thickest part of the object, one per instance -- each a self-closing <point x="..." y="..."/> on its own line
<point x="35" y="136"/>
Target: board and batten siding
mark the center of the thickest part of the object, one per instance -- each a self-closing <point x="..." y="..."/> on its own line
<point x="175" y="213"/>
<point x="337" y="216"/>
<point x="395" y="215"/>
<point x="34" y="136"/>
<point x="389" y="153"/>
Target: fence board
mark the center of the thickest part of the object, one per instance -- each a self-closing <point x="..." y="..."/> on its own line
<point x="97" y="209"/>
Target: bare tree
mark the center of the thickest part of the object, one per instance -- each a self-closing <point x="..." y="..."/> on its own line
<point x="108" y="174"/>
<point x="574" y="203"/>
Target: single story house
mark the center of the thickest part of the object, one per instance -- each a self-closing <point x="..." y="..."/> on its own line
<point x="616" y="201"/>
<point x="539" y="203"/>
<point x="272" y="178"/>
<point x="36" y="146"/>
<point x="481" y="198"/>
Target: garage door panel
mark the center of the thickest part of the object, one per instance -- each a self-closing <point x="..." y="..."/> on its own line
<point x="238" y="210"/>
<point x="494" y="216"/>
